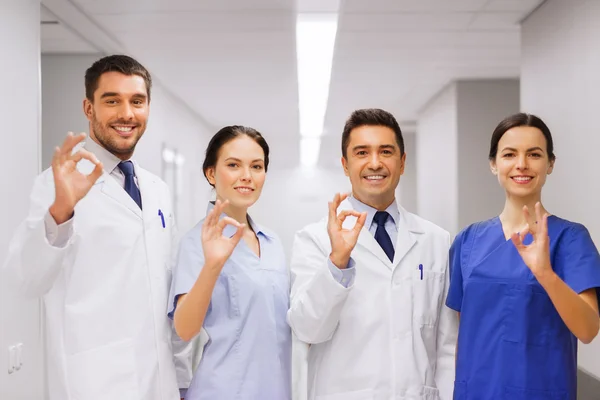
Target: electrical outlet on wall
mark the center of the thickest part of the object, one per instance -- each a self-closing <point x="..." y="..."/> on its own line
<point x="15" y="358"/>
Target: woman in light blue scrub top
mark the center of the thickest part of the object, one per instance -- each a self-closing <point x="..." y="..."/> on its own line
<point x="231" y="280"/>
<point x="524" y="283"/>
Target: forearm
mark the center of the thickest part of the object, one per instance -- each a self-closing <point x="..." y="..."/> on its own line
<point x="192" y="307"/>
<point x="579" y="316"/>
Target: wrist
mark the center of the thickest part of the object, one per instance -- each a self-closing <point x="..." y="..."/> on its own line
<point x="339" y="260"/>
<point x="546" y="277"/>
<point x="60" y="214"/>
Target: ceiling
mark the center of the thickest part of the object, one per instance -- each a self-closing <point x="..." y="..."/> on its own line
<point x="234" y="61"/>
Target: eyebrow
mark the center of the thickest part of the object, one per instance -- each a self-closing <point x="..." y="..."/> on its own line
<point x="115" y="94"/>
<point x="238" y="160"/>
<point x="528" y="150"/>
<point x="364" y="146"/>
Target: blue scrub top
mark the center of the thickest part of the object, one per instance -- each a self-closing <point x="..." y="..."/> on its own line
<point x="512" y="343"/>
<point x="248" y="355"/>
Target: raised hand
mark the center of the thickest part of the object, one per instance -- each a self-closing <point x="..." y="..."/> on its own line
<point x="342" y="240"/>
<point x="70" y="185"/>
<point x="536" y="255"/>
<point x="218" y="248"/>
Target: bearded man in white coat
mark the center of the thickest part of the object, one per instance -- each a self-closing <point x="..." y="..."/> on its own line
<point x="370" y="282"/>
<point x="96" y="246"/>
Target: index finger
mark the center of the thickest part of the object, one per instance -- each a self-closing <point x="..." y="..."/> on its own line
<point x="70" y="142"/>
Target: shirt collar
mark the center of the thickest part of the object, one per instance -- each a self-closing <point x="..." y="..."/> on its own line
<point x="362" y="207"/>
<point x="109" y="161"/>
<point x="230" y="230"/>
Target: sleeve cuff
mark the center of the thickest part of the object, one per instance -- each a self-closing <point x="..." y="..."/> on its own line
<point x="182" y="393"/>
<point x="344" y="277"/>
<point x="58" y="235"/>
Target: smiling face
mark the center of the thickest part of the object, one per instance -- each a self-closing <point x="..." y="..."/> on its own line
<point x="239" y="172"/>
<point x="374" y="164"/>
<point x="118" y="113"/>
<point x="522" y="162"/>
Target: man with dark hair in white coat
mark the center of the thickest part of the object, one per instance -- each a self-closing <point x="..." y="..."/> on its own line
<point x="370" y="282"/>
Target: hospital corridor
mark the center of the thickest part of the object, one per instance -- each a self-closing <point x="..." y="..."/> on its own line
<point x="329" y="200"/>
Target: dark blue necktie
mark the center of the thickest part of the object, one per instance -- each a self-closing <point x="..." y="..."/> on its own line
<point x="381" y="234"/>
<point x="130" y="187"/>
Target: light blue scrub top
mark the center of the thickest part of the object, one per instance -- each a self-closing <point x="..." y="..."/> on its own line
<point x="248" y="355"/>
<point x="512" y="343"/>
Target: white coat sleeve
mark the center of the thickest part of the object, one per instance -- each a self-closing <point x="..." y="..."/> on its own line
<point x="317" y="299"/>
<point x="447" y="335"/>
<point x="32" y="262"/>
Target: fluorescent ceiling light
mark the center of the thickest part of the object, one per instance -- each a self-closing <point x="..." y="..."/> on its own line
<point x="309" y="151"/>
<point x="315" y="40"/>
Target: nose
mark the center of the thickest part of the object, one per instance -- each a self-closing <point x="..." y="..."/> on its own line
<point x="522" y="163"/>
<point x="246" y="175"/>
<point x="374" y="162"/>
<point x="125" y="112"/>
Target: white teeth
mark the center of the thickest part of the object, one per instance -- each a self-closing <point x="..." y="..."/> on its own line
<point x="245" y="190"/>
<point x="124" y="128"/>
<point x="522" y="178"/>
<point x="374" y="177"/>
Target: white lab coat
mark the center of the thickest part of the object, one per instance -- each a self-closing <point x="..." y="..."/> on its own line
<point x="105" y="292"/>
<point x="387" y="336"/>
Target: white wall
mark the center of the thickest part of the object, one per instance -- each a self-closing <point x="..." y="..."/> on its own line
<point x="481" y="105"/>
<point x="560" y="83"/>
<point x="20" y="115"/>
<point x="437" y="163"/>
<point x="170" y="123"/>
<point x="407" y="189"/>
<point x="454" y="184"/>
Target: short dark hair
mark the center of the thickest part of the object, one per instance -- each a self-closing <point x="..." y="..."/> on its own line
<point x="118" y="63"/>
<point x="516" y="120"/>
<point x="224" y="136"/>
<point x="371" y="117"/>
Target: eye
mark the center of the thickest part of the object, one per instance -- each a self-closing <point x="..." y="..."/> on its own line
<point x="111" y="102"/>
<point x="361" y="153"/>
<point x="232" y="165"/>
<point x="535" y="155"/>
<point x="387" y="152"/>
<point x="508" y="155"/>
<point x="138" y="102"/>
<point x="258" y="167"/>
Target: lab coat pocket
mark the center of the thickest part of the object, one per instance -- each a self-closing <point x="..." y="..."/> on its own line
<point x="514" y="393"/>
<point x="427" y="296"/>
<point x="106" y="372"/>
<point x="530" y="316"/>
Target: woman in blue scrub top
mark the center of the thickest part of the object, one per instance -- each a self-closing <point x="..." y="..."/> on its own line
<point x="231" y="280"/>
<point x="524" y="283"/>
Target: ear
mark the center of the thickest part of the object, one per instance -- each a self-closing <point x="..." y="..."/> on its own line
<point x="493" y="167"/>
<point x="551" y="167"/>
<point x="88" y="109"/>
<point x="345" y="166"/>
<point x="210" y="175"/>
<point x="402" y="163"/>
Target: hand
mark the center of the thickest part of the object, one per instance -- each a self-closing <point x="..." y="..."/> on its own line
<point x="342" y="240"/>
<point x="537" y="254"/>
<point x="70" y="185"/>
<point x="218" y="248"/>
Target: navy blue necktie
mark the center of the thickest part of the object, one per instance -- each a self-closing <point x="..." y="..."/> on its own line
<point x="130" y="187"/>
<point x="381" y="234"/>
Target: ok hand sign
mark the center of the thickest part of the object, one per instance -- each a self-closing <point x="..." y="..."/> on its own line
<point x="537" y="254"/>
<point x="342" y="240"/>
<point x="218" y="248"/>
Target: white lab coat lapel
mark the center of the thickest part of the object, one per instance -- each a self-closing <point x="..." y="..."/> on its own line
<point x="365" y="239"/>
<point x="408" y="234"/>
<point x="150" y="200"/>
<point x="111" y="188"/>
